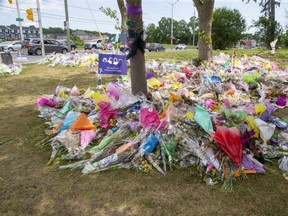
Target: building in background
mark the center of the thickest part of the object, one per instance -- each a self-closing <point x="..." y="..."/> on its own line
<point x="4" y="32"/>
<point x="12" y="32"/>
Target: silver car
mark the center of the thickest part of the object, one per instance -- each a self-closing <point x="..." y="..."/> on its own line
<point x="181" y="47"/>
<point x="12" y="46"/>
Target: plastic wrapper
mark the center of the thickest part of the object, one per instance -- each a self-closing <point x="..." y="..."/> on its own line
<point x="259" y="109"/>
<point x="149" y="145"/>
<point x="253" y="126"/>
<point x="69" y="139"/>
<point x="262" y="95"/>
<point x="226" y="102"/>
<point x="149" y="75"/>
<point x="82" y="123"/>
<point x="113" y="91"/>
<point x="153" y="83"/>
<point x="149" y="118"/>
<point x="69" y="119"/>
<point x="74" y="91"/>
<point x="105" y="117"/>
<point x="202" y="117"/>
<point x="126" y="99"/>
<point x="229" y="140"/>
<point x="213" y="79"/>
<point x="46" y="101"/>
<point x="121" y="133"/>
<point x="104" y="163"/>
<point x="63" y="112"/>
<point x="281" y="101"/>
<point x="248" y="78"/>
<point x="250" y="163"/>
<point x="47" y="112"/>
<point x="188" y="72"/>
<point x="283" y="164"/>
<point x="86" y="137"/>
<point x="266" y="130"/>
<point x="270" y="107"/>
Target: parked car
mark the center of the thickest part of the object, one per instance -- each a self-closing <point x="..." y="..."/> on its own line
<point x="11" y="46"/>
<point x="3" y="45"/>
<point x="93" y="44"/>
<point x="181" y="47"/>
<point x="155" y="47"/>
<point x="98" y="44"/>
<point x="50" y="46"/>
<point x="25" y="42"/>
<point x="72" y="44"/>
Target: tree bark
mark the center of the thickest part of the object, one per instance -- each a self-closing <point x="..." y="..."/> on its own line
<point x="123" y="11"/>
<point x="137" y="62"/>
<point x="272" y="19"/>
<point x="205" y="12"/>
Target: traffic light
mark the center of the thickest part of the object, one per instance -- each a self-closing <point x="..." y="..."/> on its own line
<point x="10" y="1"/>
<point x="30" y="15"/>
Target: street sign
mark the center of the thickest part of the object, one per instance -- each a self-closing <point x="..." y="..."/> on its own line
<point x="19" y="19"/>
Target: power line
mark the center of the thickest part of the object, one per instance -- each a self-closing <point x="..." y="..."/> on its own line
<point x="72" y="6"/>
<point x="93" y="18"/>
<point x="56" y="18"/>
<point x="62" y="16"/>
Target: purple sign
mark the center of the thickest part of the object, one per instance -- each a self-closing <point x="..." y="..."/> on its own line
<point x="112" y="64"/>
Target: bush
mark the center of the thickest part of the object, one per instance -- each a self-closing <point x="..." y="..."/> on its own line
<point x="77" y="40"/>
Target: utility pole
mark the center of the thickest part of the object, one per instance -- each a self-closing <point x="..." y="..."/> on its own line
<point x="40" y="28"/>
<point x="67" y="26"/>
<point x="172" y="36"/>
<point x="20" y="22"/>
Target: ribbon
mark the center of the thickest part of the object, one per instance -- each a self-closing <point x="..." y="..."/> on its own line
<point x="131" y="9"/>
<point x="138" y="43"/>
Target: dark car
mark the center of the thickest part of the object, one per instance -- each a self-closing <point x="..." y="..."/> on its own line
<point x="25" y="43"/>
<point x="72" y="44"/>
<point x="34" y="47"/>
<point x="155" y="47"/>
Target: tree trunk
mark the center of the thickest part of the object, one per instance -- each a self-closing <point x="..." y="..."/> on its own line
<point x="123" y="12"/>
<point x="205" y="12"/>
<point x="272" y="19"/>
<point x="137" y="61"/>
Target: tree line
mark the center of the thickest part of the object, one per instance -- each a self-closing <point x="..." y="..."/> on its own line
<point x="228" y="28"/>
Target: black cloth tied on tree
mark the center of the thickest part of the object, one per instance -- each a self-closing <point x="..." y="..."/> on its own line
<point x="138" y="43"/>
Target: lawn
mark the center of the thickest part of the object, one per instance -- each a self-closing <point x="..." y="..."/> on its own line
<point x="29" y="187"/>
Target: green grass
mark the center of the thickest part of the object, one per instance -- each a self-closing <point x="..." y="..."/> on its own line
<point x="29" y="187"/>
<point x="281" y="56"/>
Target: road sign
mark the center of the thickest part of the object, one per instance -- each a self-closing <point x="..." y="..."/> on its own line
<point x="19" y="19"/>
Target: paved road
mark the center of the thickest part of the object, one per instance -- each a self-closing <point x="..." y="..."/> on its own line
<point x="34" y="59"/>
<point x="30" y="59"/>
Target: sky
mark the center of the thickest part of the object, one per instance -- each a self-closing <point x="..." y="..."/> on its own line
<point x="85" y="14"/>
